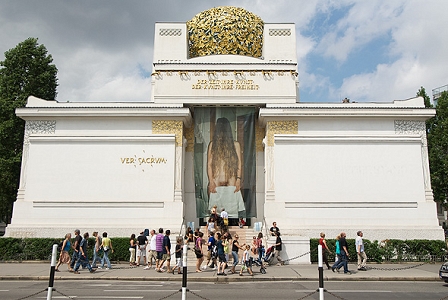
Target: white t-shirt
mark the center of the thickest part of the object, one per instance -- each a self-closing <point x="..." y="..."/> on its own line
<point x="152" y="243"/>
<point x="246" y="255"/>
<point x="358" y="242"/>
<point x="224" y="215"/>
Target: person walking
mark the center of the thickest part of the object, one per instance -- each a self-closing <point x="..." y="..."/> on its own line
<point x="152" y="254"/>
<point x="337" y="251"/>
<point x="96" y="249"/>
<point x="221" y="255"/>
<point x="344" y="255"/>
<point x="106" y="244"/>
<point x="210" y="249"/>
<point x="362" y="257"/>
<point x="235" y="247"/>
<point x="132" y="250"/>
<point x="159" y="249"/>
<point x="75" y="247"/>
<point x="278" y="248"/>
<point x="64" y="256"/>
<point x="166" y="256"/>
<point x="83" y="259"/>
<point x="325" y="249"/>
<point x="178" y="255"/>
<point x="260" y="247"/>
<point x="247" y="264"/>
<point x="142" y="242"/>
<point x="198" y="251"/>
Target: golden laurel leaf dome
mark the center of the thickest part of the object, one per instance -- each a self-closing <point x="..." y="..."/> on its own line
<point x="225" y="30"/>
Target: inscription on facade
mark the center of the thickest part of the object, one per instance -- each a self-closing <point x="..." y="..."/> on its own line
<point x="143" y="160"/>
<point x="225" y="84"/>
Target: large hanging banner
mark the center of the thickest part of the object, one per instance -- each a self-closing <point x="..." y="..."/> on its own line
<point x="224" y="160"/>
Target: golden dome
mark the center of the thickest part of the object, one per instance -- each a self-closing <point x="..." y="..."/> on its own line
<point x="225" y="30"/>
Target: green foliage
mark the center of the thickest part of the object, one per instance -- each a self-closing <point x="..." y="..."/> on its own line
<point x="41" y="248"/>
<point x="389" y="250"/>
<point x="437" y="134"/>
<point x="27" y="70"/>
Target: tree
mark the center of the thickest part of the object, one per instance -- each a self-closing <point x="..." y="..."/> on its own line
<point x="437" y="135"/>
<point x="27" y="70"/>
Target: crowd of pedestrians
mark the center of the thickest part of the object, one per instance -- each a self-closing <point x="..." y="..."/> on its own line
<point x="79" y="256"/>
<point x="220" y="249"/>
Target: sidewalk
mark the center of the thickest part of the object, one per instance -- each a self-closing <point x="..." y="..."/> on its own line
<point x="376" y="272"/>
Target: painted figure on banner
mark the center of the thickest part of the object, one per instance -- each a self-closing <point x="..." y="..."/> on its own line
<point x="224" y="170"/>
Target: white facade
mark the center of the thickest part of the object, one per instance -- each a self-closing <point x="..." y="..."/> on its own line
<point x="122" y="167"/>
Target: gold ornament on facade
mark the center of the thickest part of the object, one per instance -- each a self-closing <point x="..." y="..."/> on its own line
<point x="225" y="30"/>
<point x="280" y="127"/>
<point x="189" y="135"/>
<point x="259" y="136"/>
<point x="169" y="127"/>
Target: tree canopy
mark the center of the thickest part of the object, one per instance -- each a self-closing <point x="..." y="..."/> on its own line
<point x="27" y="70"/>
<point x="437" y="135"/>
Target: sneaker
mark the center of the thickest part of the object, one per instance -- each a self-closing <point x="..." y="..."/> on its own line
<point x="332" y="269"/>
<point x="204" y="267"/>
<point x="92" y="270"/>
<point x="75" y="272"/>
<point x="348" y="273"/>
<point x="107" y="268"/>
<point x="100" y="267"/>
<point x="146" y="268"/>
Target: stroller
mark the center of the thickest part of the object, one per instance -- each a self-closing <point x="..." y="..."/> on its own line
<point x="267" y="257"/>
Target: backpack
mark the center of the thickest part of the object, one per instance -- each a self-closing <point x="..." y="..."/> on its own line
<point x="214" y="251"/>
<point x="60" y="246"/>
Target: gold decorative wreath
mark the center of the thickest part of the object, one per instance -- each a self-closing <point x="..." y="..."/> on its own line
<point x="225" y="30"/>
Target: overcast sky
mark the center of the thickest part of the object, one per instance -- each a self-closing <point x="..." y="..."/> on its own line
<point x="368" y="51"/>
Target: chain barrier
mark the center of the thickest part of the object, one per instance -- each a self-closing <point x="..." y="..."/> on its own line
<point x="26" y="297"/>
<point x="306" y="296"/>
<point x="64" y="295"/>
<point x="166" y="297"/>
<point x="197" y="295"/>
<point x="125" y="268"/>
<point x="336" y="296"/>
<point x="296" y="257"/>
<point x="395" y="269"/>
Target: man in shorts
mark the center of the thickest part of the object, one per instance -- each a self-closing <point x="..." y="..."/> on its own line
<point x="166" y="256"/>
<point x="152" y="253"/>
<point x="159" y="249"/>
<point x="142" y="241"/>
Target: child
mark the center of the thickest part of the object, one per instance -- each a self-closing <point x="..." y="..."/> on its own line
<point x="178" y="254"/>
<point x="246" y="262"/>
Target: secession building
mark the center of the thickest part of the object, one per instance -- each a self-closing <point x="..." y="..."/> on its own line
<point x="224" y="125"/>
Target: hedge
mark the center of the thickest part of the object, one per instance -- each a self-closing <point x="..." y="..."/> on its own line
<point x="17" y="249"/>
<point x="389" y="250"/>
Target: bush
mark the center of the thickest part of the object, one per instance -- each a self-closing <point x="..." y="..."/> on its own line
<point x="388" y="250"/>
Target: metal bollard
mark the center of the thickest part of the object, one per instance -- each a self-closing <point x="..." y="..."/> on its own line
<point x="52" y="271"/>
<point x="321" y="273"/>
<point x="184" y="273"/>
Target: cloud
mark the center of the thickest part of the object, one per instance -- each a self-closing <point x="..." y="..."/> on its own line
<point x="103" y="49"/>
<point x="419" y="53"/>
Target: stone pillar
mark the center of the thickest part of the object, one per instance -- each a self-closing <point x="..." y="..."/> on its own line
<point x="173" y="127"/>
<point x="418" y="128"/>
<point x="32" y="127"/>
